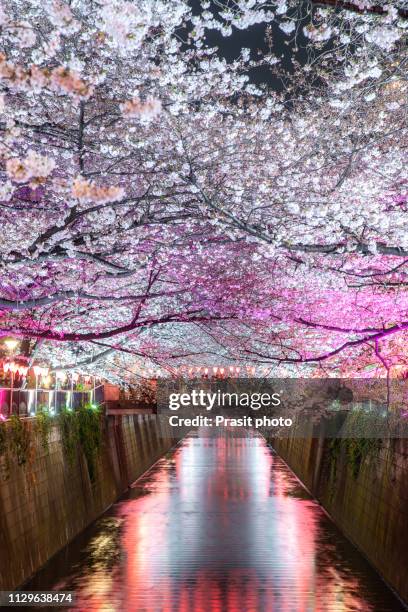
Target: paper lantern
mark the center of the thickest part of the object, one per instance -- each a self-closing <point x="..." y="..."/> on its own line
<point x="14" y="367"/>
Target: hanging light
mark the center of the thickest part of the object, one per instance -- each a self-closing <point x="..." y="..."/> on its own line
<point x="6" y="366"/>
<point x="14" y="367"/>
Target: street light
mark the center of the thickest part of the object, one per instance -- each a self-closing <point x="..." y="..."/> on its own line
<point x="11" y="344"/>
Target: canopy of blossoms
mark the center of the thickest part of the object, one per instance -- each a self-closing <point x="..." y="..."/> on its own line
<point x="166" y="200"/>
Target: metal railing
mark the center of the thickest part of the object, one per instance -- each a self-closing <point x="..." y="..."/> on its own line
<point x="27" y="402"/>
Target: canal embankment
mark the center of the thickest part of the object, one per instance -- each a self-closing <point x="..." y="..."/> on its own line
<point x="56" y="479"/>
<point x="363" y="485"/>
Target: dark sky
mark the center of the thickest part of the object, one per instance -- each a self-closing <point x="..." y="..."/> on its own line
<point x="254" y="38"/>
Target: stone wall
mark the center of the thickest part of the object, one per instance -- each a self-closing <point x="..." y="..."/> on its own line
<point x="367" y="496"/>
<point x="46" y="502"/>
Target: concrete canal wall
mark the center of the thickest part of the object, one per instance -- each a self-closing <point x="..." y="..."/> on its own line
<point x="363" y="485"/>
<point x="50" y="499"/>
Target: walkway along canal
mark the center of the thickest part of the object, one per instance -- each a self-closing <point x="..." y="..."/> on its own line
<point x="219" y="524"/>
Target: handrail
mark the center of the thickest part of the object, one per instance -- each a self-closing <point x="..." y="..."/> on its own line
<point x="26" y="402"/>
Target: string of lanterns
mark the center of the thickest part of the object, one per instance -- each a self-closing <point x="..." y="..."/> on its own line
<point x="15" y="368"/>
<point x="204" y="372"/>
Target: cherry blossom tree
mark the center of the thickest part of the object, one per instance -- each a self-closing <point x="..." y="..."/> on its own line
<point x="152" y="191"/>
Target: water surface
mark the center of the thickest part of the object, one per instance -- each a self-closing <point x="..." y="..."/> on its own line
<point x="220" y="524"/>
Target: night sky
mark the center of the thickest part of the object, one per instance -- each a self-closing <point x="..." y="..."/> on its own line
<point x="255" y="38"/>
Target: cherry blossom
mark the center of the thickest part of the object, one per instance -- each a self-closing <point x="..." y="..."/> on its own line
<point x="160" y="204"/>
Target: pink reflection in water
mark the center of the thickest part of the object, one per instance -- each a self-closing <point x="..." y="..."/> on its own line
<point x="222" y="525"/>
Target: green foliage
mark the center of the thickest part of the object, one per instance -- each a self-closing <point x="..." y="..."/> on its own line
<point x="43" y="426"/>
<point x="3" y="438"/>
<point x="362" y="424"/>
<point x="354" y="449"/>
<point x="82" y="428"/>
<point x="334" y="452"/>
<point x="4" y="455"/>
<point x="90" y="435"/>
<point x="19" y="439"/>
<point x="358" y="449"/>
<point x="68" y="426"/>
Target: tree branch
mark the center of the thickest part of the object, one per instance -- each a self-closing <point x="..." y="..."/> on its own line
<point x="377" y="9"/>
<point x="61" y="296"/>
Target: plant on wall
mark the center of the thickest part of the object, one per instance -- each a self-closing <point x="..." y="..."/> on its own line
<point x="355" y="449"/>
<point x="4" y="457"/>
<point x="68" y="426"/>
<point x="82" y="428"/>
<point x="358" y="449"/>
<point x="3" y="439"/>
<point x="43" y="426"/>
<point x="90" y="435"/>
<point x="20" y="439"/>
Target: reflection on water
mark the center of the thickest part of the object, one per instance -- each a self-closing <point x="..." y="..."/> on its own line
<point x="218" y="525"/>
